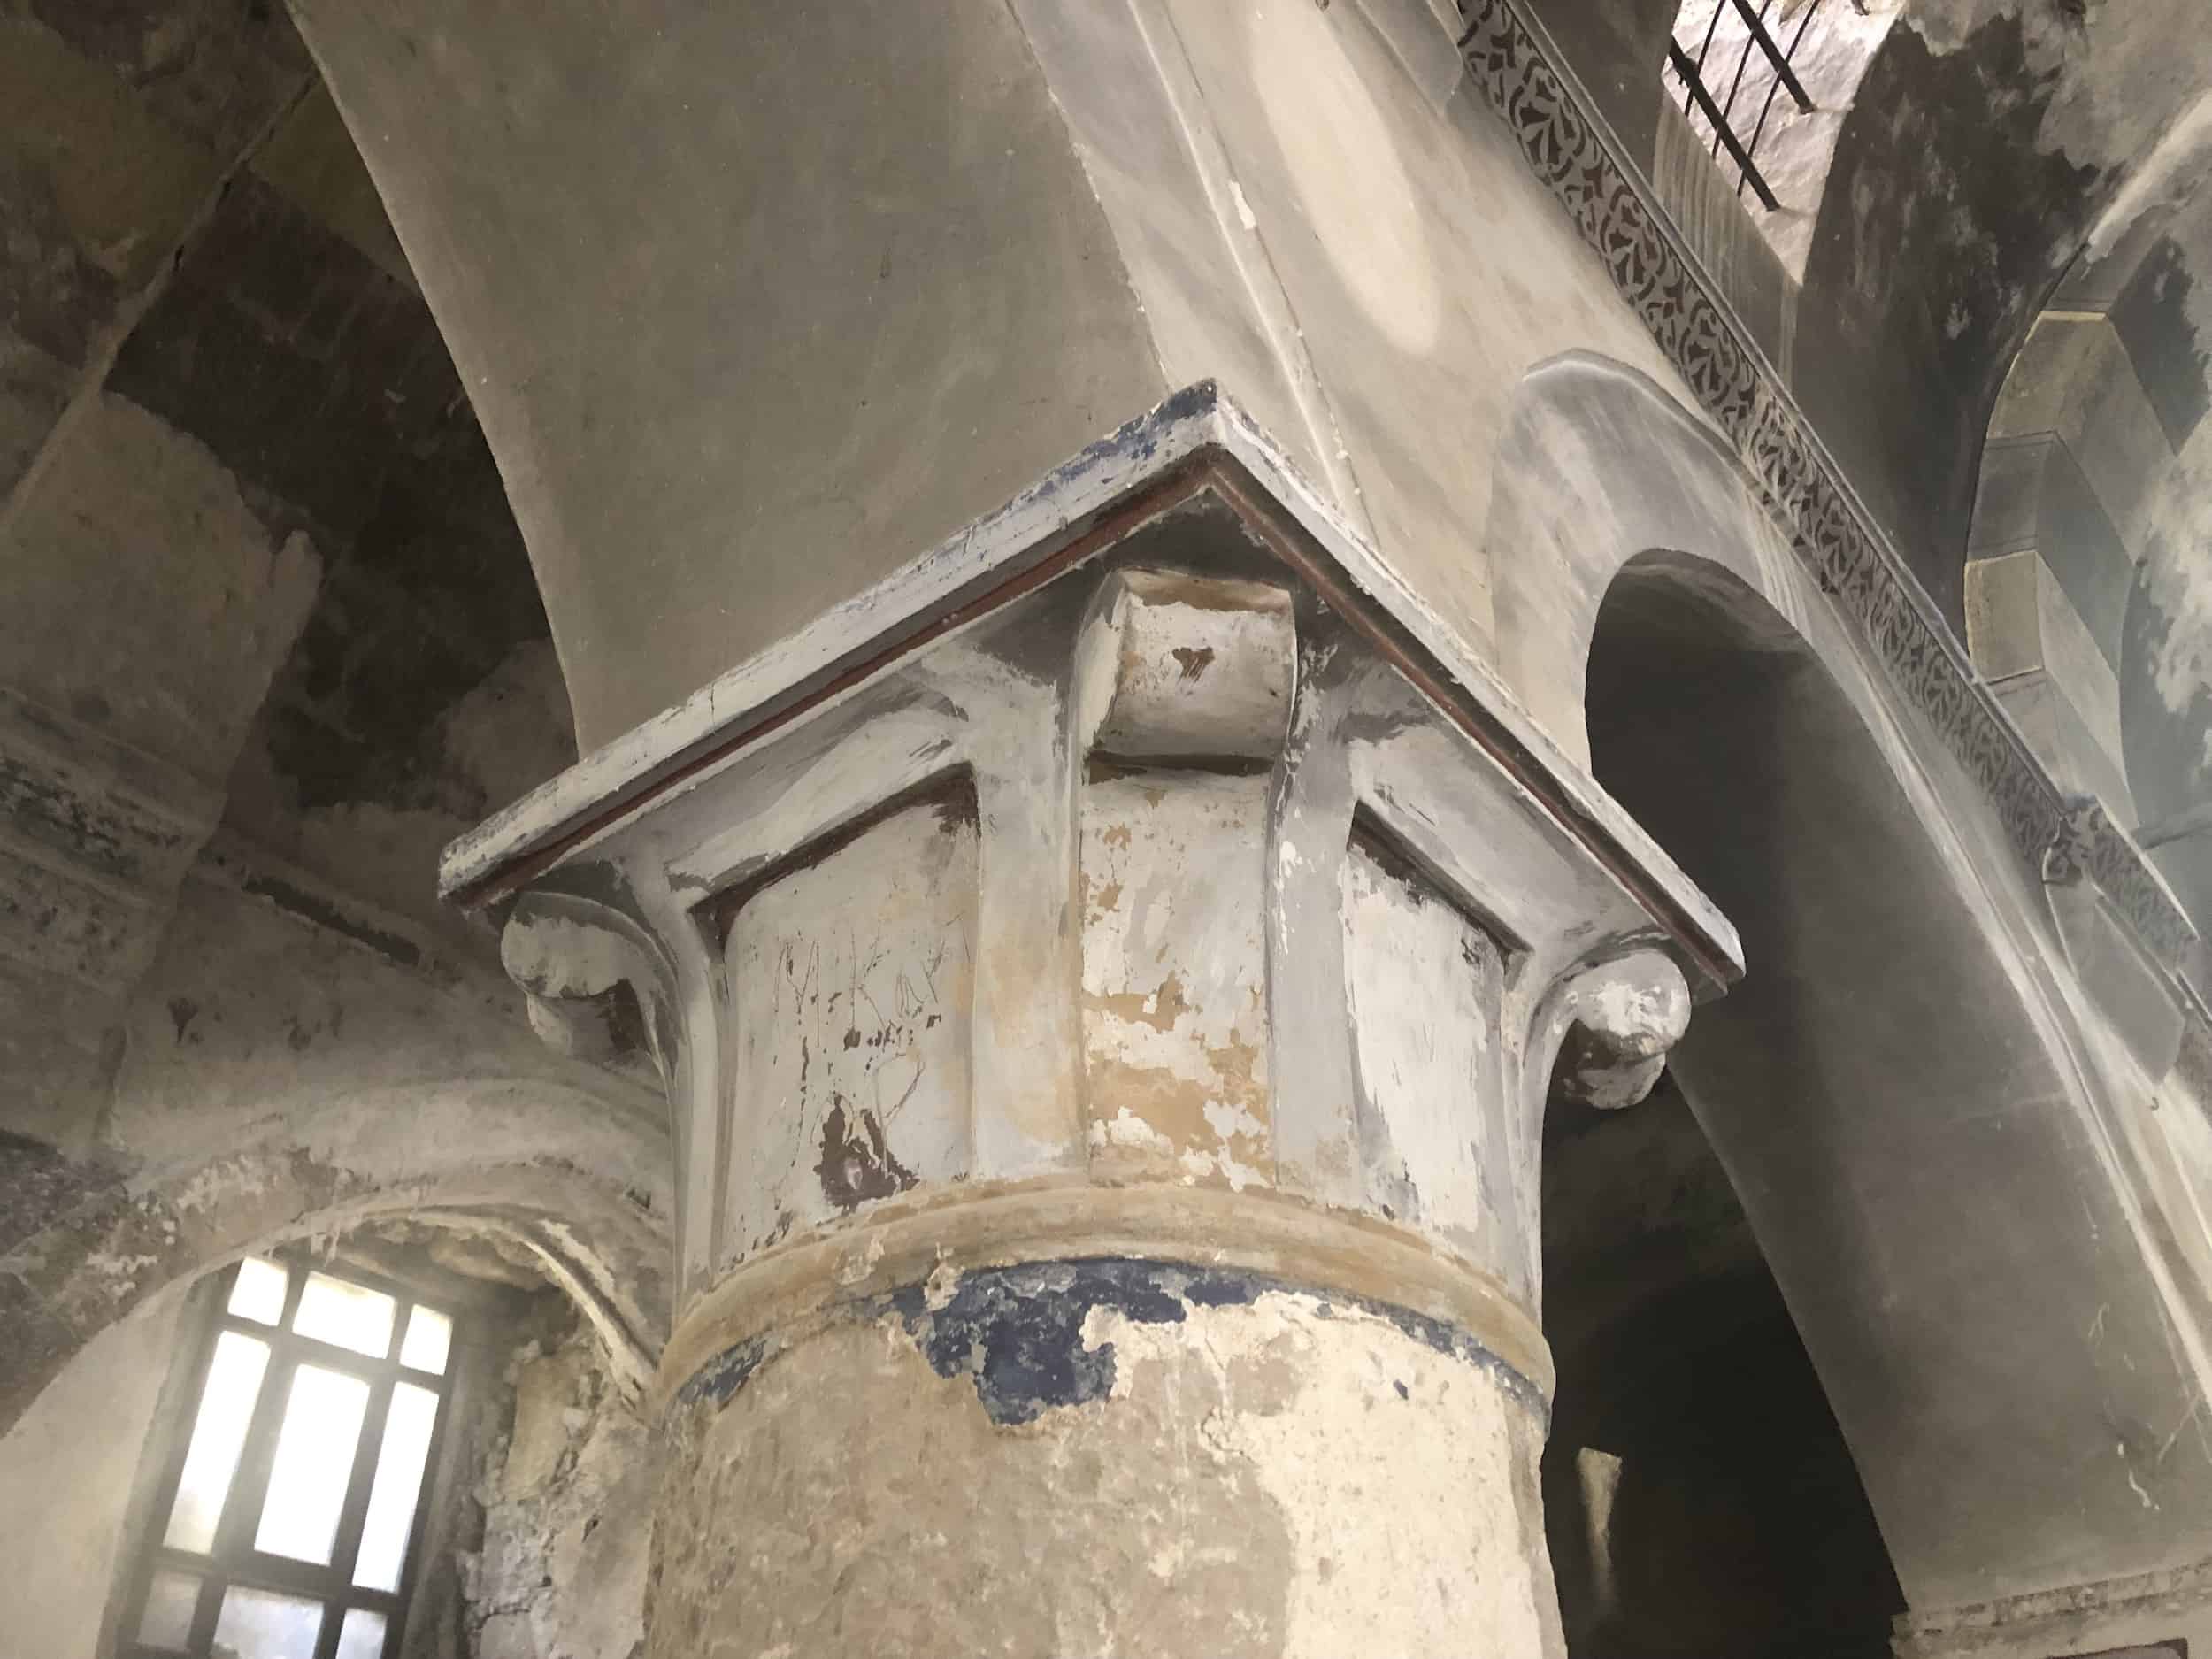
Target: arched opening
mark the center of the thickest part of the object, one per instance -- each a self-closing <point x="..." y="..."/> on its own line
<point x="211" y="1462"/>
<point x="1700" y="1493"/>
<point x="569" y="1188"/>
<point x="1930" y="1174"/>
<point x="2085" y="558"/>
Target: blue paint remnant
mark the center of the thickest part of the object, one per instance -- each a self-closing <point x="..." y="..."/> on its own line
<point x="1137" y="440"/>
<point x="1017" y="1333"/>
<point x="725" y="1373"/>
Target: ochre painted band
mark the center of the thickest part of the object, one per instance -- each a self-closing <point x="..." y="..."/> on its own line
<point x="793" y="1284"/>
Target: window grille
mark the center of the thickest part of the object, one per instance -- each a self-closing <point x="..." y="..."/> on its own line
<point x="288" y="1519"/>
<point x="1720" y="112"/>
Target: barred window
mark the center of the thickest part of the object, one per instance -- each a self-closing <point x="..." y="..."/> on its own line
<point x="286" y="1522"/>
<point x="1764" y="87"/>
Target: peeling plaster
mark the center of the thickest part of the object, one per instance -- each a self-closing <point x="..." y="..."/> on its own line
<point x="1240" y="1467"/>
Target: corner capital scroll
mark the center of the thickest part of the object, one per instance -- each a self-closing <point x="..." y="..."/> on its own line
<point x="597" y="987"/>
<point x="1620" y="1017"/>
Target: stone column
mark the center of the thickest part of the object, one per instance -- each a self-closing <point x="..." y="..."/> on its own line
<point x="1109" y="980"/>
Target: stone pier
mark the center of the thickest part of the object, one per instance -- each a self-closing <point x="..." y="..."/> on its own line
<point x="1108" y="978"/>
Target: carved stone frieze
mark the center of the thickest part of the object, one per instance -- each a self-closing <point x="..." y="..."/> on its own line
<point x="94" y="840"/>
<point x="2153" y="1614"/>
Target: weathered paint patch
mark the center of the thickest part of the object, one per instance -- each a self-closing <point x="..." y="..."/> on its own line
<point x="1174" y="974"/>
<point x="563" y="1471"/>
<point x="1425" y="984"/>
<point x="1024" y="1334"/>
<point x="726" y="1372"/>
<point x="2153" y="319"/>
<point x="858" y="1163"/>
<point x="1019" y="1331"/>
<point x="1406" y="1484"/>
<point x="1255" y="1472"/>
<point x="851" y="976"/>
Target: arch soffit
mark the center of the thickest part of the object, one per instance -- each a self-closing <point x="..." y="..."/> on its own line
<point x="1596" y="466"/>
<point x="1854" y="1109"/>
<point x="1599" y="468"/>
<point x="1637" y="481"/>
<point x="556" y="1179"/>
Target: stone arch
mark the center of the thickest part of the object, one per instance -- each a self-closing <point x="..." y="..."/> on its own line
<point x="2084" y="563"/>
<point x="1913" y="1158"/>
<point x="1596" y="463"/>
<point x="1896" y="1102"/>
<point x="551" y="1170"/>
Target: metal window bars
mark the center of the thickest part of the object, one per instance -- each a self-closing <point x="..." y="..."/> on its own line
<point x="315" y="1604"/>
<point x="1719" y="113"/>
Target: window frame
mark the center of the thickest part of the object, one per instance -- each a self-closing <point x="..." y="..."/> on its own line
<point x="233" y="1558"/>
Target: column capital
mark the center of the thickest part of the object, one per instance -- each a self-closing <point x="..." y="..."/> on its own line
<point x="1144" y="858"/>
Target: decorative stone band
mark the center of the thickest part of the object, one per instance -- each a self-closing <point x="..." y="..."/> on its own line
<point x="1020" y="1332"/>
<point x="951" y="1237"/>
<point x="95" y="839"/>
<point x="1572" y="149"/>
<point x="2142" y="1613"/>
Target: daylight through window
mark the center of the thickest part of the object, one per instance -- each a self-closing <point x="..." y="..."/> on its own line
<point x="287" y="1517"/>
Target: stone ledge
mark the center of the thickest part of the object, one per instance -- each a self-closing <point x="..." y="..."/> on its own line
<point x="2048" y="1621"/>
<point x="1197" y="442"/>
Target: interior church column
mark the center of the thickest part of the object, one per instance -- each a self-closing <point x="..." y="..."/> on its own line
<point x="1108" y="981"/>
<point x="1108" y="971"/>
